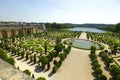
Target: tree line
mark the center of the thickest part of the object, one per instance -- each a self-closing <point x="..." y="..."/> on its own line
<point x="58" y="25"/>
<point x="113" y="28"/>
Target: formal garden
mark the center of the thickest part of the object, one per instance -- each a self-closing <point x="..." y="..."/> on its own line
<point x="48" y="50"/>
<point x="41" y="48"/>
<point x="111" y="56"/>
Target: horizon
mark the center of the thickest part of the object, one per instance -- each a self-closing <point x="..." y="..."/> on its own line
<point x="64" y="11"/>
<point x="57" y="22"/>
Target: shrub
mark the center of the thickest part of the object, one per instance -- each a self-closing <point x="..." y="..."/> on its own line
<point x="55" y="62"/>
<point x="103" y="77"/>
<point x="41" y="78"/>
<point x="4" y="56"/>
<point x="62" y="56"/>
<point x="98" y="72"/>
<point x="27" y="72"/>
<point x="55" y="68"/>
<point x="44" y="60"/>
<point x="11" y="61"/>
<point x="93" y="49"/>
<point x="101" y="47"/>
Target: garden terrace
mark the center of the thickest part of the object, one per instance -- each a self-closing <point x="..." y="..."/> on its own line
<point x="43" y="50"/>
<point x="111" y="56"/>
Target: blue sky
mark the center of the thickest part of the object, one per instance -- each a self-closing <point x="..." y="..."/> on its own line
<point x="61" y="11"/>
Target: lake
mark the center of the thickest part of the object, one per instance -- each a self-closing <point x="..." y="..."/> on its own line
<point x="86" y="29"/>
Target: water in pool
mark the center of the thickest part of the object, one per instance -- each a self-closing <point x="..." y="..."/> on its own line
<point x="84" y="44"/>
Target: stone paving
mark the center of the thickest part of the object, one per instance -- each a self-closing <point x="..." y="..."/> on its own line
<point x="9" y="72"/>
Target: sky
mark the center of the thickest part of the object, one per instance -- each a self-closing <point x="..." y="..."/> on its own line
<point x="61" y="11"/>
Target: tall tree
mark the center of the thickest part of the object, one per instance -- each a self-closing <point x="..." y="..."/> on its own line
<point x="45" y="44"/>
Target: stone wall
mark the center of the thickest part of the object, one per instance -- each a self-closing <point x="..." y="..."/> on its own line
<point x="9" y="72"/>
<point x="11" y="31"/>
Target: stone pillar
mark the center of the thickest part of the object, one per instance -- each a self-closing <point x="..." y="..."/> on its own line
<point x="9" y="33"/>
<point x="0" y="34"/>
<point x="4" y="33"/>
<point x="17" y="32"/>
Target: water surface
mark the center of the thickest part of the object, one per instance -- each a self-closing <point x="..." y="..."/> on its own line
<point x="86" y="29"/>
<point x="84" y="44"/>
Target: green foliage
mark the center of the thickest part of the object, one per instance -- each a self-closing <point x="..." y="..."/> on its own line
<point x="93" y="56"/>
<point x="41" y="78"/>
<point x="45" y="47"/>
<point x="93" y="49"/>
<point x="117" y="28"/>
<point x="62" y="56"/>
<point x="105" y="58"/>
<point x="55" y="62"/>
<point x="4" y="56"/>
<point x="31" y="58"/>
<point x="27" y="56"/>
<point x="44" y="60"/>
<point x="96" y="65"/>
<point x="67" y="50"/>
<point x="101" y="47"/>
<point x="118" y="60"/>
<point x="58" y="25"/>
<point x="55" y="68"/>
<point x="52" y="54"/>
<point x="22" y="53"/>
<point x="11" y="61"/>
<point x="98" y="72"/>
<point x="107" y="28"/>
<point x="103" y="77"/>
<point x="118" y="77"/>
<point x="27" y="72"/>
<point x="35" y="58"/>
<point x="58" y="47"/>
<point x="115" y="71"/>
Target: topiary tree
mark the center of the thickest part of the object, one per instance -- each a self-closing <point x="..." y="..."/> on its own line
<point x="55" y="62"/>
<point x="3" y="55"/>
<point x="22" y="53"/>
<point x="52" y="54"/>
<point x="103" y="77"/>
<point x="27" y="72"/>
<point x="118" y="77"/>
<point x="93" y="49"/>
<point x="33" y="76"/>
<point x="44" y="60"/>
<point x="115" y="71"/>
<point x="62" y="56"/>
<point x="31" y="58"/>
<point x="41" y="78"/>
<point x="27" y="56"/>
<point x="45" y="47"/>
<point x="11" y="61"/>
<point x="35" y="58"/>
<point x="58" y="47"/>
<point x="108" y="61"/>
<point x="101" y="47"/>
<point x="55" y="68"/>
<point x="96" y="65"/>
<point x="98" y="72"/>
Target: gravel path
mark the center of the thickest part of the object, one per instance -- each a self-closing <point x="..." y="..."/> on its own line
<point x="77" y="65"/>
